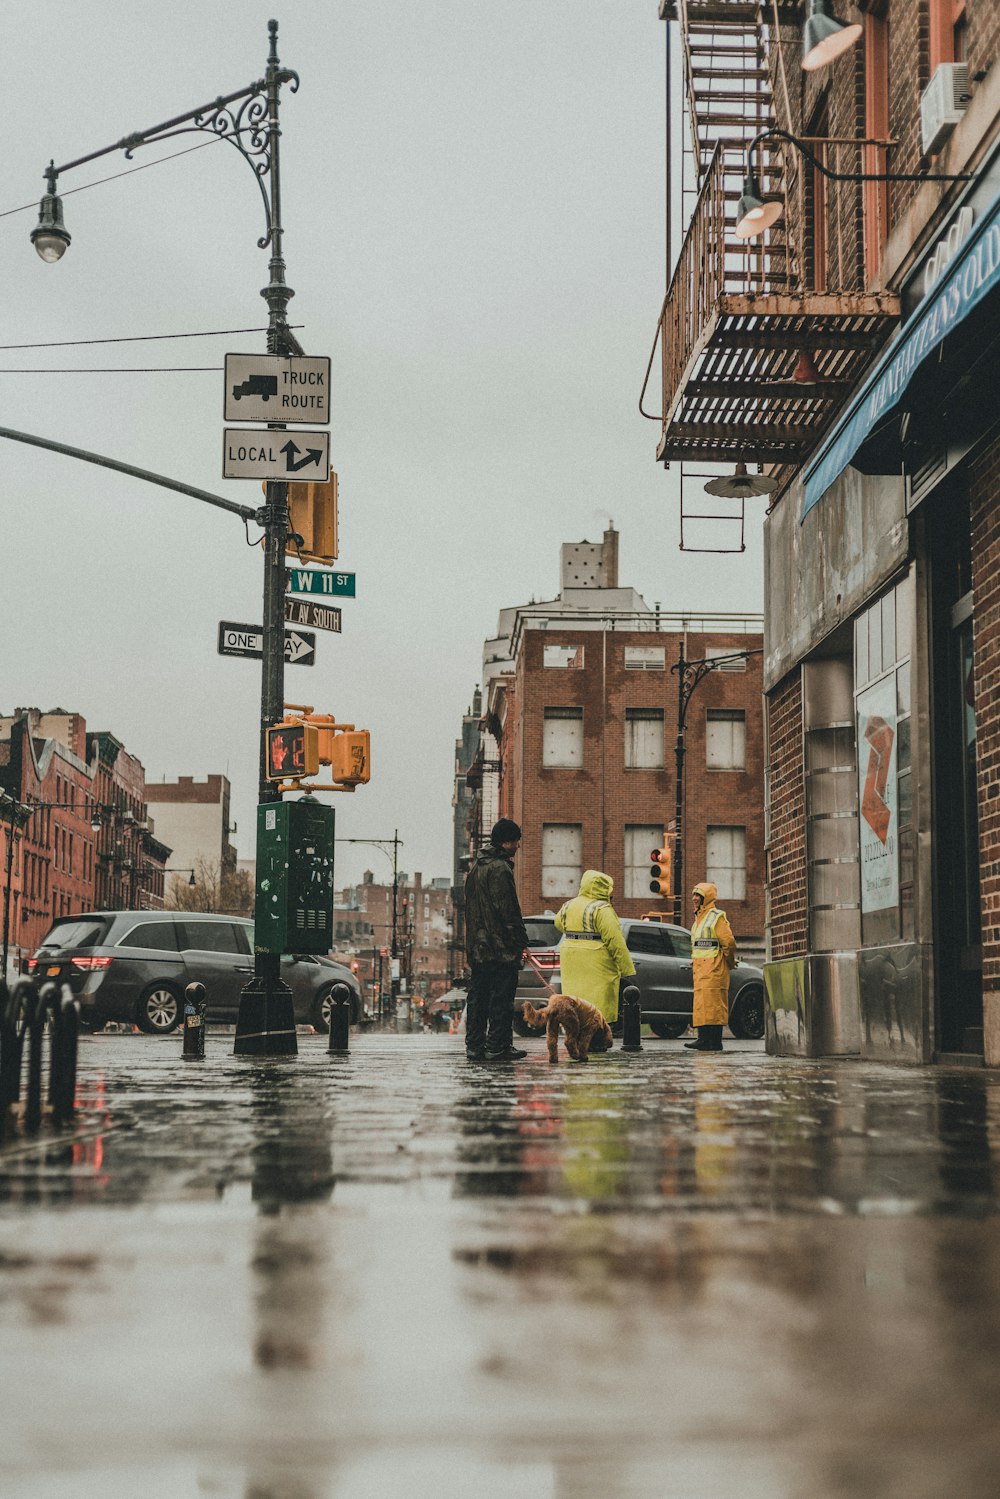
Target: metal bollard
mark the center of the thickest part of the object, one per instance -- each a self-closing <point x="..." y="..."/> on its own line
<point x="34" y="1028"/>
<point x="340" y="1019"/>
<point x="65" y="1036"/>
<point x="194" y="1023"/>
<point x="631" y="1020"/>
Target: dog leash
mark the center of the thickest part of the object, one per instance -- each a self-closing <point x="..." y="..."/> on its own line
<point x="535" y="966"/>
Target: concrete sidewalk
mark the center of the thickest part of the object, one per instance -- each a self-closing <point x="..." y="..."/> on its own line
<point x="401" y="1274"/>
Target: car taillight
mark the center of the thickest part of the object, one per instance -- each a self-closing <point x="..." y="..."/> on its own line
<point x="31" y="965"/>
<point x="546" y="957"/>
<point x="89" y="963"/>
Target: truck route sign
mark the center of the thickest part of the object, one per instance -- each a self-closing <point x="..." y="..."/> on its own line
<point x="271" y="388"/>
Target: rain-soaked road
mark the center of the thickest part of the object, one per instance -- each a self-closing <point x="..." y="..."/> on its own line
<point x="400" y="1274"/>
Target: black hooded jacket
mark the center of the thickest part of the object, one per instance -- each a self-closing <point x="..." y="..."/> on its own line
<point x="494" y="928"/>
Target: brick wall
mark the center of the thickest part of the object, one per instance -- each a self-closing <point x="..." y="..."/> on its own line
<point x="789" y="926"/>
<point x="984" y="486"/>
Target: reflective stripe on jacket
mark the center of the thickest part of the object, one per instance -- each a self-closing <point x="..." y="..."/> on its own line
<point x="593" y="955"/>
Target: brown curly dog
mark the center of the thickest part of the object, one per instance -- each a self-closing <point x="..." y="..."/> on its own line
<point x="585" y="1027"/>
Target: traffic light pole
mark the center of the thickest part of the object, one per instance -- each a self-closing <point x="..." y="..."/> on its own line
<point x="266" y="1021"/>
<point x="689" y="674"/>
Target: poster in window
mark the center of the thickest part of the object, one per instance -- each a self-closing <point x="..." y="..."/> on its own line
<point x="877" y="799"/>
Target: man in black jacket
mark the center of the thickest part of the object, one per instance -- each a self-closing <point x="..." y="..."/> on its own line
<point x="495" y="938"/>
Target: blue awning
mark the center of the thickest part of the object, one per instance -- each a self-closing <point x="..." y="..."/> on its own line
<point x="970" y="278"/>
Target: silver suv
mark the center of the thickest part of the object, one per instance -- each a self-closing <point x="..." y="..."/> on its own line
<point x="134" y="966"/>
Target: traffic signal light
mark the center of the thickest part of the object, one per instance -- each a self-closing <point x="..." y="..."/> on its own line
<point x="661" y="875"/>
<point x="350" y="757"/>
<point x="313" y="515"/>
<point x="292" y="751"/>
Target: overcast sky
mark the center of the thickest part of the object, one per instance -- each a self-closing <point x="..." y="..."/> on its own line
<point x="473" y="214"/>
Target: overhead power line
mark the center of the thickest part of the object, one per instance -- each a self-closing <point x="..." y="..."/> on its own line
<point x="135" y="338"/>
<point x="142" y="167"/>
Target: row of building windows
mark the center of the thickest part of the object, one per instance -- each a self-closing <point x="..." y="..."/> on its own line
<point x="562" y="859"/>
<point x="725" y="739"/>
<point x="635" y="658"/>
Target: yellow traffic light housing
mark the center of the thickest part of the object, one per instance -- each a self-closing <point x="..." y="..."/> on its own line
<point x="292" y="751"/>
<point x="314" y="515"/>
<point x="344" y="748"/>
<point x="661" y="874"/>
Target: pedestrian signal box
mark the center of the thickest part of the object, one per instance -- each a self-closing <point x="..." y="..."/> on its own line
<point x="350" y="758"/>
<point x="293" y="912"/>
<point x="661" y="874"/>
<point x="292" y="752"/>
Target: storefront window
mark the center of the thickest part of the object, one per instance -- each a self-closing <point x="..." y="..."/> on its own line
<point x="885" y="793"/>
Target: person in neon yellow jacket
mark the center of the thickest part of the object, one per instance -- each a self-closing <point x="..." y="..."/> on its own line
<point x="713" y="951"/>
<point x="593" y="957"/>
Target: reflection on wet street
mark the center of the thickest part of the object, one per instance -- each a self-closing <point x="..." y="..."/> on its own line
<point x="397" y="1273"/>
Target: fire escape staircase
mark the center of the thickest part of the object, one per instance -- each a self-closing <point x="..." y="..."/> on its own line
<point x="739" y="315"/>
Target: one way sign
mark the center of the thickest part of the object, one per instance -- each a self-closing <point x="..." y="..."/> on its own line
<point x="248" y="640"/>
<point x="298" y="457"/>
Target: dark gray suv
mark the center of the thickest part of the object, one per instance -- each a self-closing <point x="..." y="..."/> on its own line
<point x="663" y="976"/>
<point x="134" y="966"/>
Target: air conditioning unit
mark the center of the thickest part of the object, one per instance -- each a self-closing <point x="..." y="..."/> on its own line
<point x="943" y="104"/>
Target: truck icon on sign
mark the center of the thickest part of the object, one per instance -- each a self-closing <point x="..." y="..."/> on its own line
<point x="264" y="386"/>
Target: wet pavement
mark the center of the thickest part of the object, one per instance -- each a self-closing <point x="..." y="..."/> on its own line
<point x="401" y="1274"/>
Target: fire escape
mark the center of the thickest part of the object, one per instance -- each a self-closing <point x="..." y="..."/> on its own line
<point x="761" y="340"/>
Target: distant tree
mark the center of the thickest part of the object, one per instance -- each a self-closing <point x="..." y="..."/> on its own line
<point x="217" y="887"/>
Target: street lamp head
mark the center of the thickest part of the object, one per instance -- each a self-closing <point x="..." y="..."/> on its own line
<point x="753" y="215"/>
<point x="824" y="37"/>
<point x="50" y="236"/>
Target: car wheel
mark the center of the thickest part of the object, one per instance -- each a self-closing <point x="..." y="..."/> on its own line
<point x="159" y="1010"/>
<point x="668" y="1028"/>
<point x="321" y="1011"/>
<point x="747" y="1019"/>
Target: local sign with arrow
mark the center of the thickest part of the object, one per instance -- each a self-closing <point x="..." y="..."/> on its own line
<point x="250" y="454"/>
<point x="248" y="640"/>
<point x="314" y="580"/>
<point x="314" y="616"/>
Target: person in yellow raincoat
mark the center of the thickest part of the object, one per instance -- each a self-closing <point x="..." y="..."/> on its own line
<point x="593" y="957"/>
<point x="713" y="951"/>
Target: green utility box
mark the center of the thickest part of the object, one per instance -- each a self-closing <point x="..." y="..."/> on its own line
<point x="294" y="908"/>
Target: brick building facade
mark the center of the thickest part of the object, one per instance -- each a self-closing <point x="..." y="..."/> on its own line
<point x="882" y="542"/>
<point x="580" y="723"/>
<point x="193" y="817"/>
<point x="363" y="935"/>
<point x="84" y="838"/>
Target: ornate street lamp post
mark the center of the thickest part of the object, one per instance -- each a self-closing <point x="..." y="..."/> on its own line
<point x="249" y="120"/>
<point x="689" y="674"/>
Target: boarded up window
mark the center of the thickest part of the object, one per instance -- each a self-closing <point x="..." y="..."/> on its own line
<point x="736" y="663"/>
<point x="726" y="861"/>
<point x="640" y="841"/>
<point x="645" y="658"/>
<point x="562" y="738"/>
<point x="562" y="856"/>
<point x="643" y="738"/>
<point x="725" y="739"/>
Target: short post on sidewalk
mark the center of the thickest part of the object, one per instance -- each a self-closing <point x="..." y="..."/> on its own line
<point x="631" y="1020"/>
<point x="194" y="1023"/>
<point x="340" y="1020"/>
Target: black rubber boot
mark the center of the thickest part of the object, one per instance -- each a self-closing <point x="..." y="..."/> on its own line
<point x="696" y="1044"/>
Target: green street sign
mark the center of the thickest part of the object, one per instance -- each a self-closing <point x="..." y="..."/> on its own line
<point x="322" y="582"/>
